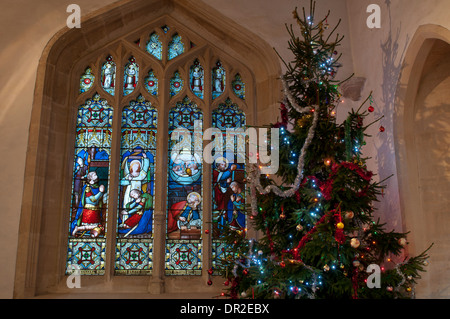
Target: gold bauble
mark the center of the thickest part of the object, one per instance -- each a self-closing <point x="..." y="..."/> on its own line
<point x="354" y="242"/>
<point x="340" y="225"/>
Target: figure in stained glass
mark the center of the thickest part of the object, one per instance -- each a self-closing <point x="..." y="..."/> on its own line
<point x="131" y="75"/>
<point x="89" y="213"/>
<point x="109" y="75"/>
<point x="218" y="80"/>
<point x="196" y="74"/>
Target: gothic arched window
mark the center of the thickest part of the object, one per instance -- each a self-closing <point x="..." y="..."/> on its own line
<point x="108" y="181"/>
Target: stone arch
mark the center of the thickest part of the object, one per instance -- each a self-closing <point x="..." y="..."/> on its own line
<point x="39" y="269"/>
<point x="422" y="143"/>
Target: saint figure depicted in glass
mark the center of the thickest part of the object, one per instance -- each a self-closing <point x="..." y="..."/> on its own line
<point x="184" y="190"/>
<point x="131" y="76"/>
<point x="87" y="228"/>
<point x="228" y="177"/>
<point x="218" y="80"/>
<point x="109" y="75"/>
<point x="196" y="79"/>
<point x="136" y="191"/>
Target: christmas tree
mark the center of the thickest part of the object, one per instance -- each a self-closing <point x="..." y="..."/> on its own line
<point x="319" y="237"/>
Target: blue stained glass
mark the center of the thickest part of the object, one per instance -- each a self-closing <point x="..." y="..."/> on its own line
<point x="86" y="80"/>
<point x="87" y="232"/>
<point x="151" y="83"/>
<point x="176" y="47"/>
<point x="218" y="80"/>
<point x="154" y="46"/>
<point x="228" y="178"/>
<point x="196" y="79"/>
<point x="238" y="87"/>
<point x="184" y="191"/>
<point x="176" y="84"/>
<point x="109" y="75"/>
<point x="136" y="191"/>
<point x="131" y="76"/>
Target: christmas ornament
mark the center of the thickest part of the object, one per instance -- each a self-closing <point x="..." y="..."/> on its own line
<point x="226" y="283"/>
<point x="402" y="241"/>
<point x="356" y="263"/>
<point x="354" y="242"/>
<point x="299" y="227"/>
<point x="210" y="282"/>
<point x="340" y="225"/>
<point x="389" y="288"/>
<point x="349" y="214"/>
<point x="206" y="231"/>
<point x="382" y="129"/>
<point x="210" y="271"/>
<point x="326" y="268"/>
<point x="371" y="109"/>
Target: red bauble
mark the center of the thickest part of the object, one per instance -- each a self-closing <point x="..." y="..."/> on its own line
<point x="226" y="283"/>
<point x="371" y="109"/>
<point x="210" y="271"/>
<point x="210" y="282"/>
<point x="207" y="231"/>
<point x="381" y="129"/>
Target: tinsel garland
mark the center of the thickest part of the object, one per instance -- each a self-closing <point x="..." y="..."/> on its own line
<point x="255" y="171"/>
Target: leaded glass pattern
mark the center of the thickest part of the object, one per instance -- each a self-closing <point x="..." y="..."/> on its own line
<point x="176" y="84"/>
<point x="151" y="83"/>
<point x="196" y="78"/>
<point x="108" y="75"/>
<point x="228" y="178"/>
<point x="218" y="80"/>
<point x="131" y="76"/>
<point x="136" y="191"/>
<point x="176" y="47"/>
<point x="238" y="87"/>
<point x="88" y="213"/>
<point x="184" y="191"/>
<point x="154" y="46"/>
<point x="86" y="80"/>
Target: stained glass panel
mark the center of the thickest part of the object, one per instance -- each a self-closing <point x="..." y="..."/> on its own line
<point x="176" y="84"/>
<point x="184" y="191"/>
<point x="136" y="192"/>
<point x="176" y="47"/>
<point x="218" y="80"/>
<point x="228" y="178"/>
<point x="196" y="77"/>
<point x="238" y="87"/>
<point x="87" y="227"/>
<point x="86" y="80"/>
<point x="151" y="83"/>
<point x="154" y="46"/>
<point x="109" y="75"/>
<point x="131" y="76"/>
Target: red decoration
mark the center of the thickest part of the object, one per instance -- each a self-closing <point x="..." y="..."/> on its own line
<point x="87" y="81"/>
<point x="207" y="231"/>
<point x="371" y="109"/>
<point x="210" y="282"/>
<point x="381" y="129"/>
<point x="210" y="271"/>
<point x="226" y="283"/>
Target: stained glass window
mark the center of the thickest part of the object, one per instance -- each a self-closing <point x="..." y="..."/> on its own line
<point x="218" y="80"/>
<point x="87" y="228"/>
<point x="151" y="83"/>
<point x="109" y="75"/>
<point x="176" y="84"/>
<point x="238" y="87"/>
<point x="184" y="191"/>
<point x="176" y="47"/>
<point x="154" y="46"/>
<point x="228" y="178"/>
<point x="136" y="192"/>
<point x="86" y="80"/>
<point x="196" y="78"/>
<point x="131" y="76"/>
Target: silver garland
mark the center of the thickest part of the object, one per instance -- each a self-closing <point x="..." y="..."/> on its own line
<point x="255" y="172"/>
